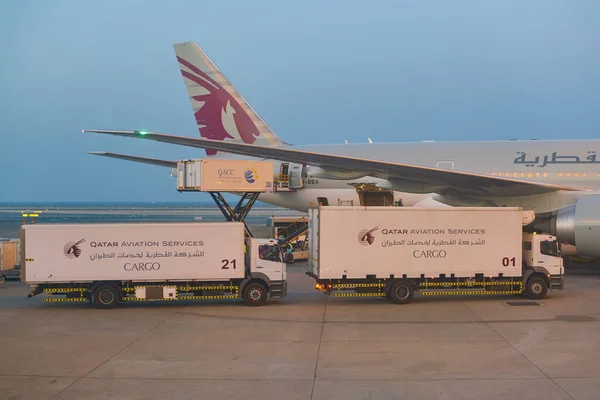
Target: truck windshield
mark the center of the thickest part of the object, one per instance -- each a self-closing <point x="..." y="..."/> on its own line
<point x="269" y="252"/>
<point x="549" y="248"/>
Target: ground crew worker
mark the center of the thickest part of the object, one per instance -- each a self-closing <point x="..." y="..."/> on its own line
<point x="288" y="253"/>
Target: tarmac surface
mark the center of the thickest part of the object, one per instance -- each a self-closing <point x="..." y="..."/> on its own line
<point x="306" y="346"/>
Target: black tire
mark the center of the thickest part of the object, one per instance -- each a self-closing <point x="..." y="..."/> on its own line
<point x="106" y="296"/>
<point x="536" y="287"/>
<point x="401" y="292"/>
<point x="255" y="294"/>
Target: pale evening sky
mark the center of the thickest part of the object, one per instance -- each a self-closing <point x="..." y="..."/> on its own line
<point x="317" y="72"/>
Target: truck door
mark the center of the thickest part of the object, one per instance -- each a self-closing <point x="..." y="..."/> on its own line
<point x="284" y="176"/>
<point x="269" y="260"/>
<point x="528" y="259"/>
<point x="295" y="174"/>
<point x="549" y="256"/>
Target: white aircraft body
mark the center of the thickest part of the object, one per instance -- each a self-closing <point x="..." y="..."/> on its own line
<point x="558" y="179"/>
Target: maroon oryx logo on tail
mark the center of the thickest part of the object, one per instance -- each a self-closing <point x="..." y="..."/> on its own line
<point x="366" y="237"/>
<point x="220" y="109"/>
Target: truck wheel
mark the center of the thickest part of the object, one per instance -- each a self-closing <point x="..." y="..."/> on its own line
<point x="255" y="294"/>
<point x="401" y="292"/>
<point x="106" y="296"/>
<point x="536" y="287"/>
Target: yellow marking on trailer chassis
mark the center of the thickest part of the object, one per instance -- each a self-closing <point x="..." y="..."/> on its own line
<point x="65" y="299"/>
<point x="459" y="293"/>
<point x="207" y="297"/>
<point x="191" y="288"/>
<point x="184" y="288"/>
<point x="470" y="283"/>
<point x="462" y="288"/>
<point x="138" y="299"/>
<point x="379" y="294"/>
<point x="352" y="285"/>
<point x="64" y="290"/>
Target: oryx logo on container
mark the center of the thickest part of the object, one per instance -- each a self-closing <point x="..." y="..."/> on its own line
<point x="72" y="249"/>
<point x="366" y="236"/>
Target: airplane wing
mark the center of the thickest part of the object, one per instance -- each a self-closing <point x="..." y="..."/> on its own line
<point x="144" y="160"/>
<point x="403" y="177"/>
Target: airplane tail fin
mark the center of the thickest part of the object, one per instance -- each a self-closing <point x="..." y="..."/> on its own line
<point x="221" y="111"/>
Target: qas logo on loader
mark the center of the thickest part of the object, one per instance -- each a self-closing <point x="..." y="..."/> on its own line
<point x="251" y="175"/>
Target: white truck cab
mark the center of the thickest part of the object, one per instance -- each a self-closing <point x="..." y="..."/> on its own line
<point x="264" y="261"/>
<point x="541" y="255"/>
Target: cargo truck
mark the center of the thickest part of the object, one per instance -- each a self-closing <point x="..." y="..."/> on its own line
<point x="109" y="263"/>
<point x="394" y="252"/>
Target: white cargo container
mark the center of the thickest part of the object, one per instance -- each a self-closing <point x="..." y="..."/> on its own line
<point x="216" y="175"/>
<point x="107" y="263"/>
<point x="393" y="251"/>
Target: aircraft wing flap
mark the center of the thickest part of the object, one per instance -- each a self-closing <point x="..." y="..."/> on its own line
<point x="445" y="180"/>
